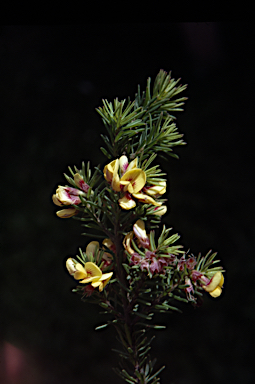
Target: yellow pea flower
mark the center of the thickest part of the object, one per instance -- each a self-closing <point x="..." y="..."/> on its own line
<point x="214" y="288"/>
<point x="67" y="196"/>
<point x="131" y="180"/>
<point x="89" y="273"/>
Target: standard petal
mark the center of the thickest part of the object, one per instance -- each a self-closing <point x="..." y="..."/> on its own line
<point x="137" y="179"/>
<point x="92" y="269"/>
<point x="91" y="248"/>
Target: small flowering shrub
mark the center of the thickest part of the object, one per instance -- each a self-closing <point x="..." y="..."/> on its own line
<point x="138" y="268"/>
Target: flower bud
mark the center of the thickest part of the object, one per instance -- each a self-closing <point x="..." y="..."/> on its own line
<point x="81" y="183"/>
<point x="66" y="213"/>
<point x="160" y="211"/>
<point x="155" y="190"/>
<point x="123" y="164"/>
<point x="70" y="265"/>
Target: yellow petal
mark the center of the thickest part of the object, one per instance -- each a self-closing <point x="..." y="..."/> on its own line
<point x="115" y="184"/>
<point x="80" y="268"/>
<point x="109" y="169"/>
<point x="146" y="199"/>
<point x="89" y="279"/>
<point x="126" y="202"/>
<point x="92" y="269"/>
<point x="79" y="275"/>
<point x="80" y="272"/>
<point x="70" y="265"/>
<point x="56" y="201"/>
<point x="108" y="243"/>
<point x="137" y="178"/>
<point x="78" y="179"/>
<point x="96" y="284"/>
<point x="133" y="164"/>
<point x="123" y="164"/>
<point x="62" y="196"/>
<point x="127" y="243"/>
<point x="216" y="292"/>
<point x="66" y="213"/>
<point x="91" y="247"/>
<point x="139" y="228"/>
<point x="222" y="281"/>
<point x="160" y="211"/>
<point x="106" y="276"/>
<point x="155" y="190"/>
<point x="125" y="185"/>
<point x="215" y="282"/>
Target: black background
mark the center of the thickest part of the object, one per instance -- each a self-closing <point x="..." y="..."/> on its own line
<point x="52" y="79"/>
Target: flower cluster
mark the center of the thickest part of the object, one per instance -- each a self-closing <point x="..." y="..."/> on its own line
<point x="151" y="273"/>
<point x="149" y="260"/>
<point x="130" y="180"/>
<point x="92" y="271"/>
<point x="152" y="261"/>
<point x="213" y="286"/>
<point x="69" y="195"/>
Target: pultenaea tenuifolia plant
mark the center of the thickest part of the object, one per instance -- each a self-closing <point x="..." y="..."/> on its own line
<point x="136" y="267"/>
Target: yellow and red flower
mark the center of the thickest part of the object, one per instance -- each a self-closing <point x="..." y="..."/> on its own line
<point x="214" y="286"/>
<point x="70" y="195"/>
<point x="131" y="181"/>
<point x="88" y="273"/>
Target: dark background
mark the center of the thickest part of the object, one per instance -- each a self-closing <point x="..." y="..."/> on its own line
<point x="52" y="79"/>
